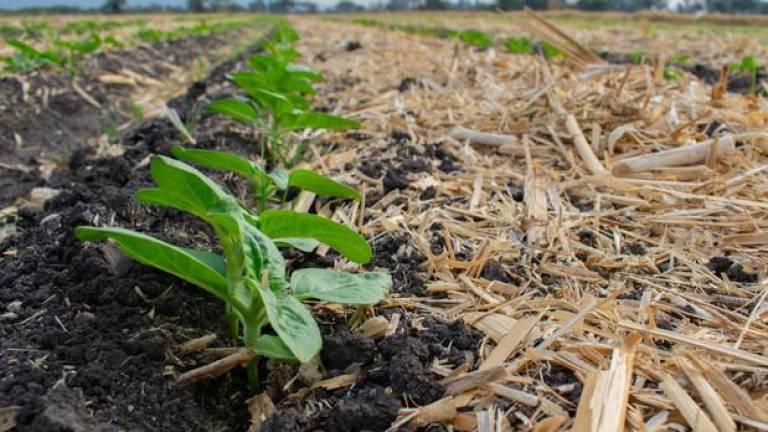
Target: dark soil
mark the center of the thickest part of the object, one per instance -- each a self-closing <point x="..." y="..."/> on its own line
<point x="88" y="340"/>
<point x="396" y="374"/>
<point x="734" y="271"/>
<point x="49" y="121"/>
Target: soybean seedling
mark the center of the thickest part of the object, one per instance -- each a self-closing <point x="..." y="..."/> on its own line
<point x="250" y="275"/>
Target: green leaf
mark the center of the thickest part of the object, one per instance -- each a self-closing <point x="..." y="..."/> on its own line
<point x="319" y="120"/>
<point x="305" y="72"/>
<point x="261" y="253"/>
<point x="277" y="103"/>
<point x="302" y="244"/>
<point x="518" y="45"/>
<point x="236" y="109"/>
<point x="340" y="287"/>
<point x="476" y="38"/>
<point x="200" y="268"/>
<point x="218" y="160"/>
<point x="182" y="186"/>
<point x="286" y="223"/>
<point x="292" y="322"/>
<point x="273" y="347"/>
<point x="321" y="185"/>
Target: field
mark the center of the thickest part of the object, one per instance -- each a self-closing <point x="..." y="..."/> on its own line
<point x="383" y="222"/>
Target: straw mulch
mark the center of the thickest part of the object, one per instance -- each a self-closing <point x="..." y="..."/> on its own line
<point x="606" y="224"/>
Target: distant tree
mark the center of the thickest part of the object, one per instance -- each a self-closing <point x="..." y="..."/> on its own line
<point x="223" y="5"/>
<point x="435" y="5"/>
<point x="283" y="6"/>
<point x="734" y="6"/>
<point x="536" y="4"/>
<point x="347" y="6"/>
<point x="113" y="6"/>
<point x="595" y="5"/>
<point x="258" y="6"/>
<point x="507" y="5"/>
<point x="196" y="5"/>
<point x="399" y="4"/>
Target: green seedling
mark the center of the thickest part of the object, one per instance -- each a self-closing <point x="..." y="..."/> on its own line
<point x="748" y="65"/>
<point x="551" y="51"/>
<point x="250" y="275"/>
<point x="679" y="59"/>
<point x="28" y="58"/>
<point x="637" y="56"/>
<point x="476" y="38"/>
<point x="518" y="45"/>
<point x="264" y="185"/>
<point x="276" y="101"/>
<point x="672" y="74"/>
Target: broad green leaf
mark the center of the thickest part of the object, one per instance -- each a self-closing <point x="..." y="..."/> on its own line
<point x="156" y="196"/>
<point x="286" y="223"/>
<point x="236" y="109"/>
<point x="296" y="84"/>
<point x="200" y="268"/>
<point x="306" y="72"/>
<point x="261" y="254"/>
<point x="218" y="160"/>
<point x="263" y="63"/>
<point x="302" y="244"/>
<point x="273" y="347"/>
<point x="183" y="187"/>
<point x="321" y="185"/>
<point x="286" y="34"/>
<point x="252" y="81"/>
<point x="292" y="321"/>
<point x="276" y="102"/>
<point x="340" y="287"/>
<point x="319" y="120"/>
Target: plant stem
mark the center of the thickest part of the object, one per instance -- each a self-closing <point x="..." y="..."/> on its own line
<point x="251" y="332"/>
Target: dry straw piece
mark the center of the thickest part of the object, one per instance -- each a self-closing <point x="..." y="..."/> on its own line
<point x="593" y="223"/>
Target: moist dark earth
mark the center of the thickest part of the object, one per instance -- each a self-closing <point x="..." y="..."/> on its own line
<point x="89" y="337"/>
<point x="43" y="117"/>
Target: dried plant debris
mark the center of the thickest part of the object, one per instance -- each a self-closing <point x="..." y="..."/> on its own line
<point x="587" y="221"/>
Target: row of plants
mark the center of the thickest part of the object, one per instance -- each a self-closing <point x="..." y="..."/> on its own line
<point x="475" y="38"/>
<point x="748" y="65"/>
<point x="264" y="301"/>
<point x="66" y="53"/>
<point x="152" y="35"/>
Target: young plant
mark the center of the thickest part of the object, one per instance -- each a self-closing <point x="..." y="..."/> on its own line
<point x="551" y="51"/>
<point x="28" y="58"/>
<point x="748" y="65"/>
<point x="637" y="56"/>
<point x="518" y="45"/>
<point x="476" y="38"/>
<point x="266" y="185"/>
<point x="276" y="101"/>
<point x="250" y="275"/>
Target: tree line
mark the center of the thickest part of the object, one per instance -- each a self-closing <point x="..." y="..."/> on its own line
<point x="308" y="6"/>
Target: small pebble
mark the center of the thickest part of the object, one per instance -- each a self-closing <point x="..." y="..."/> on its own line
<point x="14" y="306"/>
